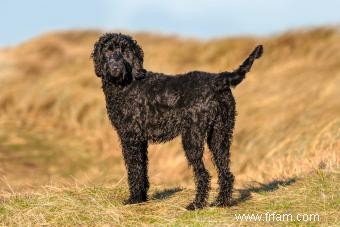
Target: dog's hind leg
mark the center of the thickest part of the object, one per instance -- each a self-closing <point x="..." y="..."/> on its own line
<point x="193" y="144"/>
<point x="219" y="140"/>
<point x="136" y="160"/>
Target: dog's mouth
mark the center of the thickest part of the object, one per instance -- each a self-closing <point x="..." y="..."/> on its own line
<point x="116" y="70"/>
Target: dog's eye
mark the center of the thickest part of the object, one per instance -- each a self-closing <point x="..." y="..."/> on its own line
<point x="108" y="54"/>
<point x="128" y="55"/>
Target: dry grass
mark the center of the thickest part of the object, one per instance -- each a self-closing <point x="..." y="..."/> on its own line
<point x="288" y="123"/>
<point x="313" y="194"/>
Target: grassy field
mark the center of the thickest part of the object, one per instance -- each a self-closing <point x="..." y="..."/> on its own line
<point x="60" y="159"/>
<point x="315" y="196"/>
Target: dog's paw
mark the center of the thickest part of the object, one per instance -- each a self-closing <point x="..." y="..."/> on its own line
<point x="134" y="201"/>
<point x="222" y="203"/>
<point x="195" y="206"/>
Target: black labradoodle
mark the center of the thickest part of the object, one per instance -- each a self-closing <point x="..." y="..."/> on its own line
<point x="145" y="106"/>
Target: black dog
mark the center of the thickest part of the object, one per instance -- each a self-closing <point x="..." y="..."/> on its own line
<point x="145" y="107"/>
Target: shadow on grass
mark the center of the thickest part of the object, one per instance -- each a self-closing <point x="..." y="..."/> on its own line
<point x="245" y="194"/>
<point x="166" y="193"/>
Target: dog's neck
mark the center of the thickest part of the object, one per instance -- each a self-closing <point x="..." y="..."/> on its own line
<point x="109" y="86"/>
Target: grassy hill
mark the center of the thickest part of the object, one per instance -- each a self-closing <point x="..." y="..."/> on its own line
<point x="54" y="129"/>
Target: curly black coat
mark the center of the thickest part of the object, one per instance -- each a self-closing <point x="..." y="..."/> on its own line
<point x="145" y="107"/>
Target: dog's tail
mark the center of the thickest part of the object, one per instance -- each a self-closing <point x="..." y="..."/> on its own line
<point x="236" y="77"/>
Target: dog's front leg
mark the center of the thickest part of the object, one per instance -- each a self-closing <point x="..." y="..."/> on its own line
<point x="136" y="160"/>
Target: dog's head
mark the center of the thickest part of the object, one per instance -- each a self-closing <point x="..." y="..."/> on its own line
<point x="118" y="58"/>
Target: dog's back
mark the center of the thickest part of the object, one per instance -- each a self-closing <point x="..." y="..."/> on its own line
<point x="169" y="104"/>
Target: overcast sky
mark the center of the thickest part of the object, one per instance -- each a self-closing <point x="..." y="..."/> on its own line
<point x="21" y="20"/>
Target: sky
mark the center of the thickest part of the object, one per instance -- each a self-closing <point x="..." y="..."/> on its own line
<point x="21" y="20"/>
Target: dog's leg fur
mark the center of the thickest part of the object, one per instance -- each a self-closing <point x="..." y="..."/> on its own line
<point x="136" y="160"/>
<point x="193" y="144"/>
<point x="219" y="141"/>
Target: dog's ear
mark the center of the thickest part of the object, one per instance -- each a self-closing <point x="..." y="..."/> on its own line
<point x="98" y="60"/>
<point x="138" y="72"/>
